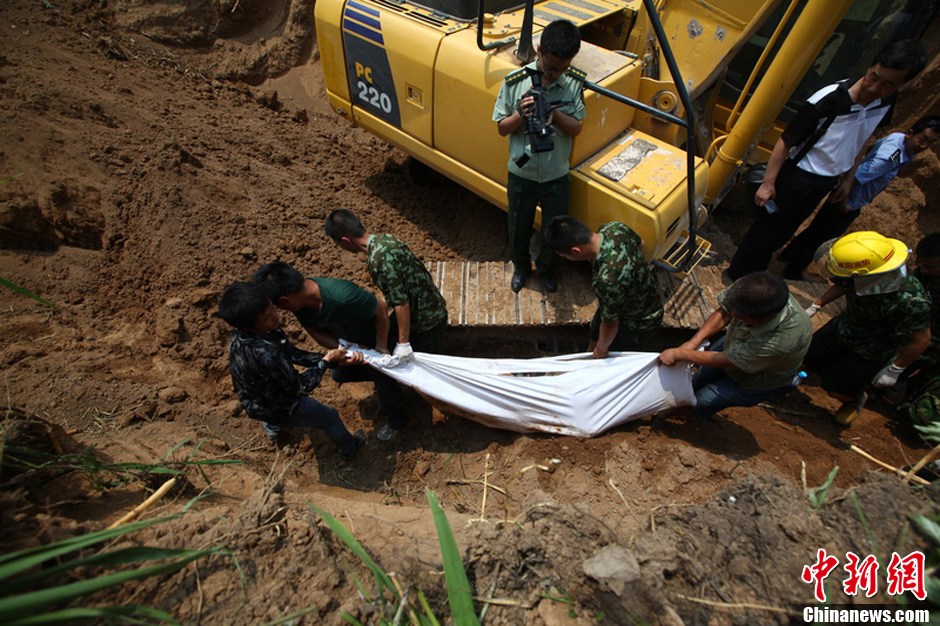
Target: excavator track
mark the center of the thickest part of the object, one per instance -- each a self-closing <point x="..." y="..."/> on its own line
<point x="478" y="295"/>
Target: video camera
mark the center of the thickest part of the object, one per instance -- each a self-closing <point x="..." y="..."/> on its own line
<point x="537" y="127"/>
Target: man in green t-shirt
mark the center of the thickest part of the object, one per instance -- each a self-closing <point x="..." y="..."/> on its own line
<point x="629" y="307"/>
<point x="419" y="308"/>
<point x="331" y="309"/>
<point x="767" y="333"/>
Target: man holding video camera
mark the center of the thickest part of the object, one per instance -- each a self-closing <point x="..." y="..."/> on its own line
<point x="540" y="108"/>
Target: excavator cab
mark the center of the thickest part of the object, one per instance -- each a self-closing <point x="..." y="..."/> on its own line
<point x="424" y="77"/>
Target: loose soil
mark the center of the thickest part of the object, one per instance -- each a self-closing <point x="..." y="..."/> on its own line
<point x="157" y="151"/>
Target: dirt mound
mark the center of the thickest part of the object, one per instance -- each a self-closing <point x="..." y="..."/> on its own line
<point x="695" y="564"/>
<point x="143" y="171"/>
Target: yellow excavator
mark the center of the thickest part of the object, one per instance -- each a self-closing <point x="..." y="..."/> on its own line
<point x="680" y="94"/>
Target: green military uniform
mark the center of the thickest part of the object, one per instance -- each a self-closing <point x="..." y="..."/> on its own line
<point x="931" y="284"/>
<point x="769" y="355"/>
<point x="851" y="348"/>
<point x="544" y="166"/>
<point x="625" y="288"/>
<point x="875" y="327"/>
<point x="404" y="279"/>
<point x="542" y="179"/>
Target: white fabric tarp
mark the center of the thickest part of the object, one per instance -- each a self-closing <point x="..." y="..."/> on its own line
<point x="567" y="395"/>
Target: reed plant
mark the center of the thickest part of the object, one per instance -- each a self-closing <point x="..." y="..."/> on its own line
<point x="38" y="584"/>
<point x="394" y="604"/>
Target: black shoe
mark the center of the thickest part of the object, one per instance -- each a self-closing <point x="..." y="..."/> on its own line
<point x="548" y="281"/>
<point x="518" y="281"/>
<point x="360" y="441"/>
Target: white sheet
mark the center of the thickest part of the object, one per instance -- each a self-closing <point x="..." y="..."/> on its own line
<point x="567" y="395"/>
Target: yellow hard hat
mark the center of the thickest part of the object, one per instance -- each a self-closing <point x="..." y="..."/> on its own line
<point x="863" y="253"/>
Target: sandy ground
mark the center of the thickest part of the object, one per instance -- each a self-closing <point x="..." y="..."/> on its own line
<point x="149" y="165"/>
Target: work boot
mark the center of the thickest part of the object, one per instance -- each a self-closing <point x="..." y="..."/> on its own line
<point x="548" y="281"/>
<point x="387" y="433"/>
<point x="851" y="409"/>
<point x="518" y="280"/>
<point x="360" y="438"/>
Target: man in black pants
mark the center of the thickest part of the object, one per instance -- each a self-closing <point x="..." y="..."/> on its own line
<point x="331" y="309"/>
<point x="825" y="140"/>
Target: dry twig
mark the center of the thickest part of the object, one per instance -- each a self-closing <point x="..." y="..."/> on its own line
<point x="898" y="471"/>
<point x="486" y="474"/>
<point x="146" y="504"/>
<point x="930" y="456"/>
<point x="736" y="606"/>
<point x="454" y="481"/>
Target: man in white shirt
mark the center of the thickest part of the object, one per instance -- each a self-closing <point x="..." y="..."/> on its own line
<point x="825" y="140"/>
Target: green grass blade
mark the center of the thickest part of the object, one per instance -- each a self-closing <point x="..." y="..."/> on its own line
<point x="26" y="292"/>
<point x="381" y="578"/>
<point x="459" y="596"/>
<point x="124" y="556"/>
<point x="932" y="587"/>
<point x="817" y="495"/>
<point x="175" y="448"/>
<point x="928" y="527"/>
<point x="428" y="616"/>
<point x="291" y="617"/>
<point x="864" y="520"/>
<point x="20" y="606"/>
<point x="22" y="560"/>
<point x="930" y="432"/>
<point x="130" y="614"/>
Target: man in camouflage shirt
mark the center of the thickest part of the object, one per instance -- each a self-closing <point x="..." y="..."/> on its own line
<point x="927" y="271"/>
<point x="419" y="308"/>
<point x="261" y="361"/>
<point x="872" y="341"/>
<point x="629" y="307"/>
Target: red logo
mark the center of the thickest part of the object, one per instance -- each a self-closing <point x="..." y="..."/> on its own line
<point x="902" y="574"/>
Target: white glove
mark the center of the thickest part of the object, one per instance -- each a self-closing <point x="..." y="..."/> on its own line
<point x="888" y="376"/>
<point x="404" y="352"/>
<point x="812" y="309"/>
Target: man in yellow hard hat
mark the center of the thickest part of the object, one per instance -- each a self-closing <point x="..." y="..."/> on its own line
<point x="885" y="325"/>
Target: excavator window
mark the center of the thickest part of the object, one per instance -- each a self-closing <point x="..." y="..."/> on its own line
<point x="467" y="9"/>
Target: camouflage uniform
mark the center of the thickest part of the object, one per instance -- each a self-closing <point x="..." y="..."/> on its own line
<point x="625" y="288"/>
<point x="931" y="355"/>
<point x="404" y="279"/>
<point x="851" y="348"/>
<point x="874" y="327"/>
